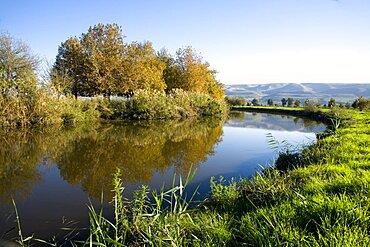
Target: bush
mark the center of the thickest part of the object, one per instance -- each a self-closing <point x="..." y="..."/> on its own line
<point x="288" y="160"/>
<point x="177" y="104"/>
<point x="235" y="101"/>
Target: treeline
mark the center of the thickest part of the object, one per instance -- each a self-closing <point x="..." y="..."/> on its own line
<point x="154" y="85"/>
<point x="99" y="62"/>
<point x="360" y="103"/>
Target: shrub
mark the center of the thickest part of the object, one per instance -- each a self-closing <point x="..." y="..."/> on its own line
<point x="235" y="101"/>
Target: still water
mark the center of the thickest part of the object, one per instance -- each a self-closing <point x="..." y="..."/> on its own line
<point x="54" y="173"/>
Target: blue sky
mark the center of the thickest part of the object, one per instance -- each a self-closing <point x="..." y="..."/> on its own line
<point x="246" y="41"/>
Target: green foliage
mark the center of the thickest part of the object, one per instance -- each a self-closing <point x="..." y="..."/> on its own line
<point x="309" y="106"/>
<point x="297" y="103"/>
<point x="255" y="102"/>
<point x="290" y="102"/>
<point x="164" y="221"/>
<point x="331" y="103"/>
<point x="283" y="101"/>
<point x="18" y="67"/>
<point x="235" y="101"/>
<point x="270" y="102"/>
<point x="361" y="103"/>
<point x="224" y="195"/>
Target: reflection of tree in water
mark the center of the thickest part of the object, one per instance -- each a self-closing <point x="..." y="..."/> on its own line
<point x="237" y="115"/>
<point x="309" y="124"/>
<point x="20" y="153"/>
<point x="138" y="150"/>
<point x="89" y="155"/>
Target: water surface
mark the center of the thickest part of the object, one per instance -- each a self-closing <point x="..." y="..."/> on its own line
<point x="53" y="173"/>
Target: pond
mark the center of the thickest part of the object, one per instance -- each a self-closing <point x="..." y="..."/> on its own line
<point x="54" y="173"/>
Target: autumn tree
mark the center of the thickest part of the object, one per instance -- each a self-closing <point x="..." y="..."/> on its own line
<point x="297" y="103"/>
<point x="103" y="51"/>
<point x="94" y="62"/>
<point x="188" y="72"/>
<point x="69" y="64"/>
<point x="17" y="68"/>
<point x="99" y="62"/>
<point x="143" y="69"/>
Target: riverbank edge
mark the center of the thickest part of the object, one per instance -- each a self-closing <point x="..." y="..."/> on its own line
<point x="322" y="115"/>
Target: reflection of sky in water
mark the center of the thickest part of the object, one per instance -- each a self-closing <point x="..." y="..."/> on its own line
<point x="244" y="151"/>
<point x="62" y="193"/>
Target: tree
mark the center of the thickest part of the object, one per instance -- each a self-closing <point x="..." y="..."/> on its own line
<point x="94" y="62"/>
<point x="69" y="64"/>
<point x="290" y="102"/>
<point x="144" y="69"/>
<point x="235" y="101"/>
<point x="270" y="102"/>
<point x="297" y="103"/>
<point x="331" y="103"/>
<point x="283" y="101"/>
<point x="188" y="72"/>
<point x="361" y="103"/>
<point x="255" y="102"/>
<point x="103" y="51"/>
<point x="17" y="68"/>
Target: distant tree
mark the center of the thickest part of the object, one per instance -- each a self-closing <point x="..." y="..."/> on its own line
<point x="297" y="103"/>
<point x="309" y="105"/>
<point x="17" y="68"/>
<point x="341" y="105"/>
<point x="283" y="102"/>
<point x="255" y="102"/>
<point x="270" y="102"/>
<point x="290" y="102"/>
<point x="235" y="101"/>
<point x="361" y="103"/>
<point x="331" y="103"/>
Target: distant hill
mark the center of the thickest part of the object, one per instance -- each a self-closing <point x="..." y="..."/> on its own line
<point x="342" y="93"/>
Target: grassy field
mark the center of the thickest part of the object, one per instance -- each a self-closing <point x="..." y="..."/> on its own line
<point x="319" y="197"/>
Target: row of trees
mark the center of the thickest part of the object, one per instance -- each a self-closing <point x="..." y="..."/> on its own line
<point x="101" y="63"/>
<point x="360" y="103"/>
